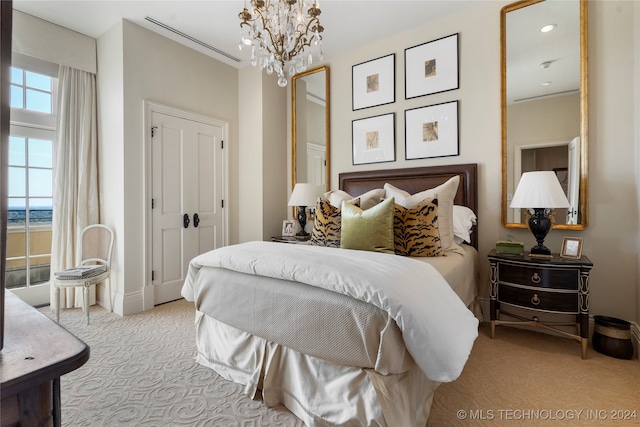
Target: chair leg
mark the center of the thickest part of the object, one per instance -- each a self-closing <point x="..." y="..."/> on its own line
<point x="86" y="302"/>
<point x="56" y="301"/>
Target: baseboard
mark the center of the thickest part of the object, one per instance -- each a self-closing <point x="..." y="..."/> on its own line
<point x="125" y="305"/>
<point x="148" y="297"/>
<point x="128" y="304"/>
<point x="635" y="327"/>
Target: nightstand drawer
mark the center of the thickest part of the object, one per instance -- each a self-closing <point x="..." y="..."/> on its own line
<point x="556" y="278"/>
<point x="561" y="302"/>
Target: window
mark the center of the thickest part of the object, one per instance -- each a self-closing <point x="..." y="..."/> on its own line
<point x="30" y="210"/>
<point x="30" y="161"/>
<point x="31" y="91"/>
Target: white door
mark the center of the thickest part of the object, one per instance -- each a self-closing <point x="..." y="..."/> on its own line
<point x="316" y="161"/>
<point x="187" y="214"/>
<point x="573" y="192"/>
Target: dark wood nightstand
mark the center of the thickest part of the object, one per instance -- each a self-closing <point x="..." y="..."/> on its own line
<point x="557" y="285"/>
<point x="291" y="239"/>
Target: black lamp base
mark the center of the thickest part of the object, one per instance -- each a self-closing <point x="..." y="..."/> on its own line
<point x="302" y="219"/>
<point x="540" y="224"/>
<point x="540" y="250"/>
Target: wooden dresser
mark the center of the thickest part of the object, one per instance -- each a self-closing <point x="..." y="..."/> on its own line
<point x="557" y="285"/>
<point x="37" y="352"/>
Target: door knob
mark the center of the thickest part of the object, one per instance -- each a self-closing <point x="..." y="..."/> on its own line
<point x="196" y="220"/>
<point x="185" y="220"/>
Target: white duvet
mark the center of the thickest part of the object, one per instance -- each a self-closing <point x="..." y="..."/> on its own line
<point x="437" y="328"/>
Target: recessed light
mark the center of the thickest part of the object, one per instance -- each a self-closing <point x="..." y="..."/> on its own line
<point x="545" y="83"/>
<point x="548" y="28"/>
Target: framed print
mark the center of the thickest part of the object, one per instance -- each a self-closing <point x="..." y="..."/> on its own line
<point x="571" y="247"/>
<point x="431" y="131"/>
<point x="373" y="82"/>
<point x="431" y="67"/>
<point x="288" y="228"/>
<point x="374" y="139"/>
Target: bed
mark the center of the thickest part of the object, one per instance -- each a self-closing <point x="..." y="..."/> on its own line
<point x="340" y="336"/>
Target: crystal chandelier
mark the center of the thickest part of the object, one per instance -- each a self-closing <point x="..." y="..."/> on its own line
<point x="278" y="32"/>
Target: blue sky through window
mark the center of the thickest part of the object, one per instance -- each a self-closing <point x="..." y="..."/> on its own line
<point x="30" y="159"/>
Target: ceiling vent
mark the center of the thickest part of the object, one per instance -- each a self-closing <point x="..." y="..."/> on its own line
<point x="192" y="39"/>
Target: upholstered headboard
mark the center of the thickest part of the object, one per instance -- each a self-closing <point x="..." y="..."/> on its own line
<point x="415" y="180"/>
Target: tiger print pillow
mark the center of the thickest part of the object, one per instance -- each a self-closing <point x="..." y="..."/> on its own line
<point x="415" y="230"/>
<point x="327" y="225"/>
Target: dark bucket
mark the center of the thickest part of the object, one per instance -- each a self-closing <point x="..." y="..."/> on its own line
<point x="612" y="337"/>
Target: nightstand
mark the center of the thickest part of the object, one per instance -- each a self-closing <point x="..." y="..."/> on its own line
<point x="557" y="285"/>
<point x="290" y="239"/>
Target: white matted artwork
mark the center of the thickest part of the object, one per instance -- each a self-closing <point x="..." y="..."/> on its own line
<point x="373" y="82"/>
<point x="431" y="67"/>
<point x="431" y="131"/>
<point x="374" y="139"/>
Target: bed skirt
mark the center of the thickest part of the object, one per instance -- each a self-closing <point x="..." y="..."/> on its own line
<point x="318" y="392"/>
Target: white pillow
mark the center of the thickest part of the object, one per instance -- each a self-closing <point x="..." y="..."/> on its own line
<point x="367" y="200"/>
<point x="463" y="221"/>
<point x="445" y="193"/>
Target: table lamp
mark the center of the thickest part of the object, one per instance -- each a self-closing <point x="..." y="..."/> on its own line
<point x="540" y="192"/>
<point x="303" y="195"/>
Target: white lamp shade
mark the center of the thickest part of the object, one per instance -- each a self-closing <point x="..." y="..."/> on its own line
<point x="540" y="189"/>
<point x="303" y="195"/>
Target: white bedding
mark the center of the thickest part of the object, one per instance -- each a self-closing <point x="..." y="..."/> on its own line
<point x="438" y="329"/>
<point x="320" y="393"/>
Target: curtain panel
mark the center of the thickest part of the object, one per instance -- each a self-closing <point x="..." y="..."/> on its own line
<point x="75" y="180"/>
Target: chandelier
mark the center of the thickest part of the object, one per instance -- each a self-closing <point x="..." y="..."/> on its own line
<point x="278" y="32"/>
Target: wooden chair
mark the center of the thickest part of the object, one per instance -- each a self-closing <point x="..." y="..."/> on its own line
<point x="96" y="245"/>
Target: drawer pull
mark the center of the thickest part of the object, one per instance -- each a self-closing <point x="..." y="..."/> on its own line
<point x="535" y="278"/>
<point x="535" y="300"/>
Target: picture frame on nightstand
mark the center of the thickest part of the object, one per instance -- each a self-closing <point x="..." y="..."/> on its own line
<point x="571" y="248"/>
<point x="288" y="228"/>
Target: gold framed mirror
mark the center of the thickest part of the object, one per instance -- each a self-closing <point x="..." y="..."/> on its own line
<point x="310" y="130"/>
<point x="545" y="103"/>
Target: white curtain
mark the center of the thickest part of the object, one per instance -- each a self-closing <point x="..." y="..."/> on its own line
<point x="75" y="180"/>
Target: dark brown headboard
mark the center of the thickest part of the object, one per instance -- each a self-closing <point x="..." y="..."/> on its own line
<point x="415" y="180"/>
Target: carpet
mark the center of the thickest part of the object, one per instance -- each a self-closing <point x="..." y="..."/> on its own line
<point x="142" y="373"/>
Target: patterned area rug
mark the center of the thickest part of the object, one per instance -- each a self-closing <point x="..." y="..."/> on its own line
<point x="142" y="372"/>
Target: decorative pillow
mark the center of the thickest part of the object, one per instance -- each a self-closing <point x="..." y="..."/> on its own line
<point x="326" y="227"/>
<point x="463" y="221"/>
<point x="415" y="230"/>
<point x="367" y="200"/>
<point x="368" y="230"/>
<point x="445" y="193"/>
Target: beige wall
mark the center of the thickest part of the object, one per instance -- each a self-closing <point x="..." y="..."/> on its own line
<point x="134" y="65"/>
<point x="262" y="171"/>
<point x="274" y="137"/>
<point x="611" y="240"/>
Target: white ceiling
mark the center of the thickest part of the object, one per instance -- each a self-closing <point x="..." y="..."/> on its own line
<point x="348" y="23"/>
<point x="528" y="48"/>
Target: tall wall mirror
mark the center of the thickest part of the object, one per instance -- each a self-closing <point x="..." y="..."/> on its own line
<point x="544" y="102"/>
<point x="310" y="129"/>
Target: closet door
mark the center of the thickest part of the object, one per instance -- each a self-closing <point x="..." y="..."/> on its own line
<point x="187" y="209"/>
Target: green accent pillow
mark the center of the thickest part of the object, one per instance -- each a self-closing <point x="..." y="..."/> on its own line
<point x="368" y="230"/>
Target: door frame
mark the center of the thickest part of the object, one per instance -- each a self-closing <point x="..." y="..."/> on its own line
<point x="151" y="107"/>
